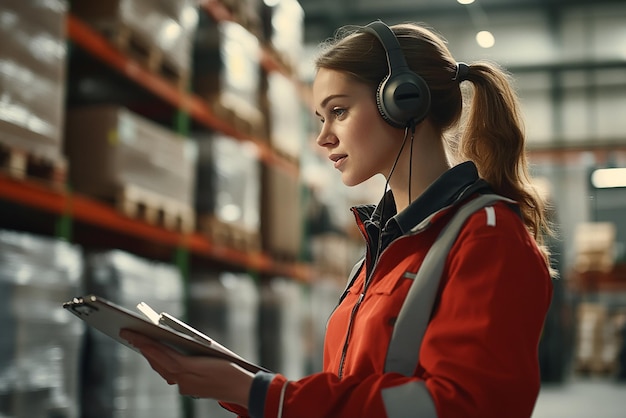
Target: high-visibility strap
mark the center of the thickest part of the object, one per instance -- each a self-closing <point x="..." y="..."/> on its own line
<point x="414" y="316"/>
<point x="409" y="400"/>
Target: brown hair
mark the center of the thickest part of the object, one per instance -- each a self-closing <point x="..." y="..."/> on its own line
<point x="490" y="133"/>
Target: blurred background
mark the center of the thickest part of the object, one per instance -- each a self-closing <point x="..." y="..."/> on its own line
<point x="164" y="152"/>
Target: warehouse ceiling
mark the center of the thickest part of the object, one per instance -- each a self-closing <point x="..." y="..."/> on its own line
<point x="323" y="17"/>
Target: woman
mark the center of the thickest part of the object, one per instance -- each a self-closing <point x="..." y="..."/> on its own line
<point x="478" y="353"/>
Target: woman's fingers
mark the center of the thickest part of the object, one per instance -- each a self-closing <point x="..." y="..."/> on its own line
<point x="164" y="360"/>
<point x="196" y="376"/>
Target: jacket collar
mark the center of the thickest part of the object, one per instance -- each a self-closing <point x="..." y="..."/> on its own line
<point x="452" y="187"/>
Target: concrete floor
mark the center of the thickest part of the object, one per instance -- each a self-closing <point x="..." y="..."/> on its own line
<point x="582" y="398"/>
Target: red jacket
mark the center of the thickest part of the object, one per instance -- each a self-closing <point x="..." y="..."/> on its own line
<point x="478" y="357"/>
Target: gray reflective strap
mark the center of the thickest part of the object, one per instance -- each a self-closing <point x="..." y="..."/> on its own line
<point x="409" y="400"/>
<point x="408" y="332"/>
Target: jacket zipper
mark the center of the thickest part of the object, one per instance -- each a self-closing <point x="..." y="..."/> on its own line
<point x="355" y="308"/>
<point x="344" y="351"/>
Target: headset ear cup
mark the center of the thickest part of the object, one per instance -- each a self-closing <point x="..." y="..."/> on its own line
<point x="380" y="103"/>
<point x="403" y="99"/>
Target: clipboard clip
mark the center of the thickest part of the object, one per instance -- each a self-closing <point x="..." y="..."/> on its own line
<point x="80" y="307"/>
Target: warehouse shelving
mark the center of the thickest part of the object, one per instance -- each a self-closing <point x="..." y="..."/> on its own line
<point x="60" y="201"/>
<point x="98" y="46"/>
<point x="57" y="200"/>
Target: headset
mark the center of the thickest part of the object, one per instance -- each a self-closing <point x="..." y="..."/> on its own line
<point x="402" y="97"/>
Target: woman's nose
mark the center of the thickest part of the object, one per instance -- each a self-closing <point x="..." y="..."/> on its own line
<point x="326" y="137"/>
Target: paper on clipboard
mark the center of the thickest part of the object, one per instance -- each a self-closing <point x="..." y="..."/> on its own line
<point x="109" y="318"/>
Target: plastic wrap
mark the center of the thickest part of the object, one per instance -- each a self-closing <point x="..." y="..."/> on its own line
<point x="167" y="25"/>
<point x="283" y="333"/>
<point x="225" y="306"/>
<point x="287" y="37"/>
<point x="40" y="342"/>
<point x="227" y="68"/>
<point x="124" y="148"/>
<point x="286" y="116"/>
<point x="117" y="381"/>
<point x="32" y="67"/>
<point x="228" y="181"/>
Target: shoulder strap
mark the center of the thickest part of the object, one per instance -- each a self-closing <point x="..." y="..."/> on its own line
<point x="414" y="316"/>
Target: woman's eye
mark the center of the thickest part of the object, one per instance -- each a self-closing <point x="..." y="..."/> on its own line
<point x="338" y="112"/>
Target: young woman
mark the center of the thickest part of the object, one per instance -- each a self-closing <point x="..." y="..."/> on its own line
<point x="477" y="356"/>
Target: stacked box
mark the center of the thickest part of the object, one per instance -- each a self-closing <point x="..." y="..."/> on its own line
<point x="598" y="341"/>
<point x="594" y="244"/>
<point x="282" y="216"/>
<point x="33" y="51"/>
<point x="40" y="343"/>
<point x="118" y="382"/>
<point x="285" y="114"/>
<point x="228" y="187"/>
<point x="158" y="27"/>
<point x="284" y="29"/>
<point x="245" y="12"/>
<point x="112" y="149"/>
<point x="226" y="73"/>
<point x="224" y="306"/>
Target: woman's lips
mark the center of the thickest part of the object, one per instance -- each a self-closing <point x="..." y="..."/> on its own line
<point x="338" y="159"/>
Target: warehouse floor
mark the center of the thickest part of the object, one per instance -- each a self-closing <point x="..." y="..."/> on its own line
<point x="582" y="398"/>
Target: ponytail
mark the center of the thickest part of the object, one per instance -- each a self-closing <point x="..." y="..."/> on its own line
<point x="493" y="138"/>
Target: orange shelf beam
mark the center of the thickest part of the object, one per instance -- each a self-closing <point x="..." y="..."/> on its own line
<point x="97" y="45"/>
<point x="92" y="212"/>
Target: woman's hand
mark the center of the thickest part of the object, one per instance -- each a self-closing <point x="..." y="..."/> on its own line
<point x="197" y="376"/>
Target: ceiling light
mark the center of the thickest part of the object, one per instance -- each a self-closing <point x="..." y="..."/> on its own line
<point x="465" y="1"/>
<point x="485" y="39"/>
<point x="604" y="178"/>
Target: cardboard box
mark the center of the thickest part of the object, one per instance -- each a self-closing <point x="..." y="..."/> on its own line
<point x="594" y="244"/>
<point x="282" y="214"/>
<point x="110" y="147"/>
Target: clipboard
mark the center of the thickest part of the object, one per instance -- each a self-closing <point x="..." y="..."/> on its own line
<point x="109" y="318"/>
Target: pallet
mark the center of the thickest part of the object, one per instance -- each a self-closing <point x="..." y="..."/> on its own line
<point x="25" y="165"/>
<point x="228" y="235"/>
<point x="292" y="159"/>
<point x="140" y="48"/>
<point x="283" y="256"/>
<point x="155" y="209"/>
<point x="244" y="122"/>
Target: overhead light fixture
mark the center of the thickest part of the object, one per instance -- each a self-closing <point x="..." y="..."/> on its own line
<point x="465" y="1"/>
<point x="485" y="39"/>
<point x="604" y="178"/>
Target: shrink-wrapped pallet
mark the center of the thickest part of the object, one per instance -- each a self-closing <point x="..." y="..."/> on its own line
<point x="32" y="67"/>
<point x="39" y="343"/>
<point x="227" y="73"/>
<point x="283" y="26"/>
<point x="286" y="116"/>
<point x="118" y="382"/>
<point x="285" y="332"/>
<point x="228" y="191"/>
<point x="158" y="33"/>
<point x="224" y="306"/>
